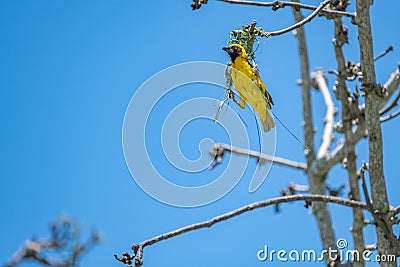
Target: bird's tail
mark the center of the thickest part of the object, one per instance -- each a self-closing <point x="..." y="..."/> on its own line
<point x="269" y="122"/>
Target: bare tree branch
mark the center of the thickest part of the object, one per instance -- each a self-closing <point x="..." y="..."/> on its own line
<point x="364" y="187"/>
<point x="306" y="90"/>
<point x="315" y="178"/>
<point x="373" y="99"/>
<point x="253" y="206"/>
<point x="256" y="205"/>
<point x="301" y="22"/>
<point x="322" y="165"/>
<point x="391" y="116"/>
<point x="320" y="83"/>
<point x="341" y="38"/>
<point x="62" y="249"/>
<point x="391" y="105"/>
<point x="281" y="4"/>
<point x="391" y="86"/>
<point x="219" y="149"/>
<point x="384" y="53"/>
<point x="381" y="218"/>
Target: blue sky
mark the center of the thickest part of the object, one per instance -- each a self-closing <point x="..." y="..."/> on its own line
<point x="68" y="70"/>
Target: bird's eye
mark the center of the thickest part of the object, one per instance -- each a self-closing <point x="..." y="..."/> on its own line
<point x="238" y="50"/>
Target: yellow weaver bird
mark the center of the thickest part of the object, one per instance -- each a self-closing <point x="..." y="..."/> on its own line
<point x="249" y="85"/>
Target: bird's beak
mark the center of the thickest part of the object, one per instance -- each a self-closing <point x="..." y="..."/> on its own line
<point x="227" y="49"/>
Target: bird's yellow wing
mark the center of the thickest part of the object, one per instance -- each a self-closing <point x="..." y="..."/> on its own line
<point x="250" y="92"/>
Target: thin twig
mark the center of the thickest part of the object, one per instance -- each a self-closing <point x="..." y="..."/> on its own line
<point x="137" y="255"/>
<point x="391" y="116"/>
<point x="302" y="22"/>
<point x="391" y="86"/>
<point x="320" y="83"/>
<point x="220" y="149"/>
<point x="62" y="249"/>
<point x="250" y="207"/>
<point x="280" y="4"/>
<point x="391" y="105"/>
<point x="390" y="48"/>
<point x="379" y="217"/>
<point x="365" y="189"/>
<point x="382" y="54"/>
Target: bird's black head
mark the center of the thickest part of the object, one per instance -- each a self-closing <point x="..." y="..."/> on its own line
<point x="233" y="51"/>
